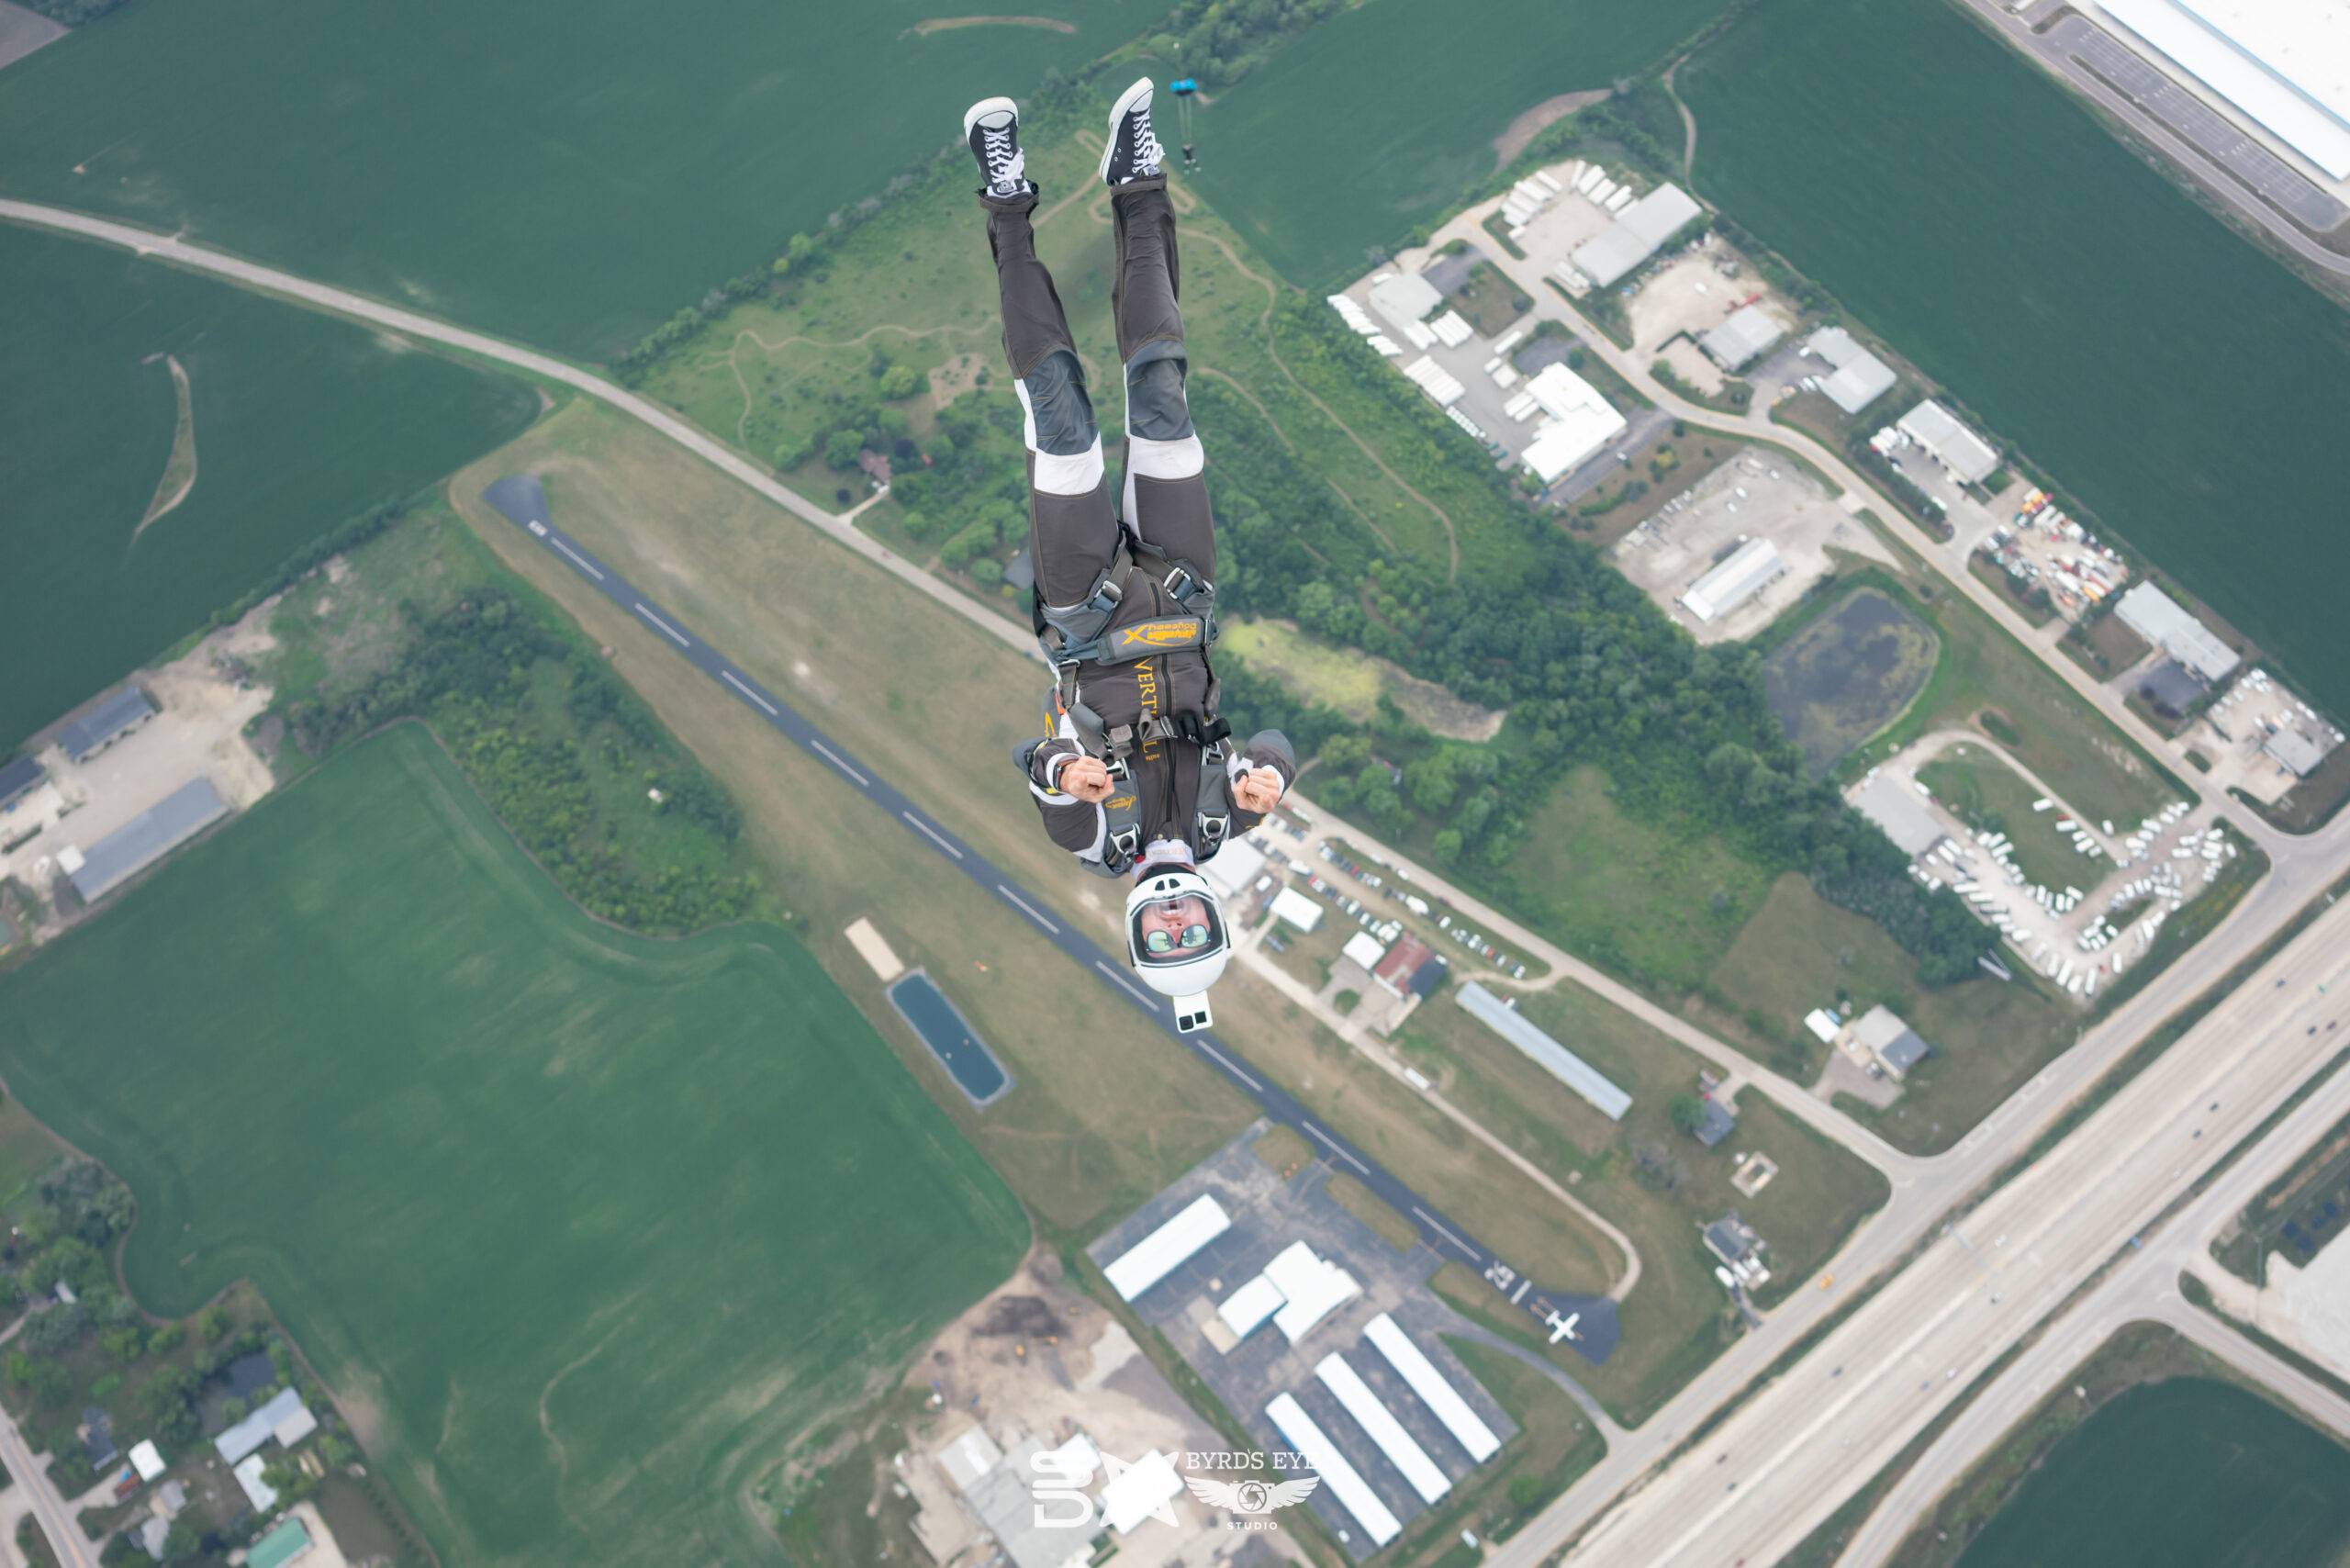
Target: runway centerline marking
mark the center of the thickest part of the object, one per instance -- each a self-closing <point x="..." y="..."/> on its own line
<point x="1024" y="907"/>
<point x="769" y="709"/>
<point x="862" y="782"/>
<point x="674" y="634"/>
<point x="1123" y="984"/>
<point x="928" y="832"/>
<point x="1429" y="1220"/>
<point x="1334" y="1148"/>
<point x="1229" y="1066"/>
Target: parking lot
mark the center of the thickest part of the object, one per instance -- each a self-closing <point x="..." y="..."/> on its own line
<point x="1269" y="1213"/>
<point x="2232" y="731"/>
<point x="1756" y="495"/>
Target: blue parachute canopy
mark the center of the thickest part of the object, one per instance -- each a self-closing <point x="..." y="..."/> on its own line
<point x="1184" y="88"/>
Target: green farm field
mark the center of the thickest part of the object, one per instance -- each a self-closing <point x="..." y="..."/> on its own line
<point x="301" y="423"/>
<point x="571" y="174"/>
<point x="2188" y="1471"/>
<point x="1382" y="117"/>
<point x="584" y="1230"/>
<point x="1963" y="205"/>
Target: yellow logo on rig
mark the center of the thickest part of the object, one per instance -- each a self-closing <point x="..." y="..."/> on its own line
<point x="1161" y="634"/>
<point x="1121" y="802"/>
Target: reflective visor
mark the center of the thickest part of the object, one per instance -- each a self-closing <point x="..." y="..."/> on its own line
<point x="1177" y="929"/>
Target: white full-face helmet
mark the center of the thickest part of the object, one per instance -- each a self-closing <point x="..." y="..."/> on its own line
<point x="1175" y="938"/>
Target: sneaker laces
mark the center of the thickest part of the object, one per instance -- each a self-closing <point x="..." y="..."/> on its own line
<point x="1007" y="165"/>
<point x="1149" y="154"/>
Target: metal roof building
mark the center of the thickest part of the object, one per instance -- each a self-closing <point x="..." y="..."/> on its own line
<point x="1296" y="908"/>
<point x="2286" y="63"/>
<point x="1422" y="1377"/>
<point x="1547" y="1053"/>
<point x="1635" y="235"/>
<point x="1156" y="1256"/>
<point x="106" y="724"/>
<point x="146" y="837"/>
<point x="1582" y="422"/>
<point x="1895" y="1045"/>
<point x="2296" y="751"/>
<point x="19" y="779"/>
<point x="1888" y="801"/>
<point x="1746" y="334"/>
<point x="248" y="1435"/>
<point x="2164" y="622"/>
<point x="1754" y="567"/>
<point x="1346" y="1483"/>
<point x="1404" y="298"/>
<point x="1861" y="377"/>
<point x="1378" y="1422"/>
<point x="1948" y="443"/>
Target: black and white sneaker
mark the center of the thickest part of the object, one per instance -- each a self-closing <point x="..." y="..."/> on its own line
<point x="992" y="126"/>
<point x="1133" y="151"/>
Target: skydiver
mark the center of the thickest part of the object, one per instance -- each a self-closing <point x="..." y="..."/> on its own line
<point x="1137" y="776"/>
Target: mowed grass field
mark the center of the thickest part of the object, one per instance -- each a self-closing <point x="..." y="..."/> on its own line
<point x="2176" y="380"/>
<point x="1378" y="119"/>
<point x="1677" y="1317"/>
<point x="584" y="1230"/>
<point x="301" y="423"/>
<point x="571" y="174"/>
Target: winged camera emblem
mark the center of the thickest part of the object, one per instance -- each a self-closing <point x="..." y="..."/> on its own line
<point x="1251" y="1497"/>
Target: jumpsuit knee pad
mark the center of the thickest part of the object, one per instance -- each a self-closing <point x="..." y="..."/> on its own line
<point x="1059" y="411"/>
<point x="1157" y="408"/>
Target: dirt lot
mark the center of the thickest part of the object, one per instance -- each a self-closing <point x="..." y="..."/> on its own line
<point x="1690" y="295"/>
<point x="199" y="729"/>
<point x="1759" y="495"/>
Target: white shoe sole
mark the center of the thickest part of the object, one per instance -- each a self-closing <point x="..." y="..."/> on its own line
<point x="988" y="107"/>
<point x="1138" y="94"/>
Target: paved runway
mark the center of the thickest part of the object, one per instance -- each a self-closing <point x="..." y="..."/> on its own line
<point x="522" y="500"/>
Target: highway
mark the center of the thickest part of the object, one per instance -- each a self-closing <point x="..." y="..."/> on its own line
<point x="523" y="500"/>
<point x="1923" y="1188"/>
<point x="2143" y="1287"/>
<point x="1788" y="1458"/>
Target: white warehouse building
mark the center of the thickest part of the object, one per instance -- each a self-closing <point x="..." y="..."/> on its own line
<point x="1635" y="235"/>
<point x="1581" y="424"/>
<point x="2284" y="63"/>
<point x="1860" y="378"/>
<point x="1948" y="443"/>
<point x="1753" y="567"/>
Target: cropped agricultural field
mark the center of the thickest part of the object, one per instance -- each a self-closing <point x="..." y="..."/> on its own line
<point x="1383" y="114"/>
<point x="301" y="423"/>
<point x="570" y="174"/>
<point x="2187" y="388"/>
<point x="584" y="1230"/>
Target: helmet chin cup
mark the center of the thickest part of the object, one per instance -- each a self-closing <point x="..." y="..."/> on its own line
<point x="1192" y="1015"/>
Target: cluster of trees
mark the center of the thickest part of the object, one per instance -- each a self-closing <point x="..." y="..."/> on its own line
<point x="973" y="499"/>
<point x="1221" y="41"/>
<point x="857" y="424"/>
<point x="1592" y="670"/>
<point x="471" y="672"/>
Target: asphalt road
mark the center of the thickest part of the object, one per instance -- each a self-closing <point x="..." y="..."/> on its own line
<point x="522" y="500"/>
<point x="58" y="1520"/>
